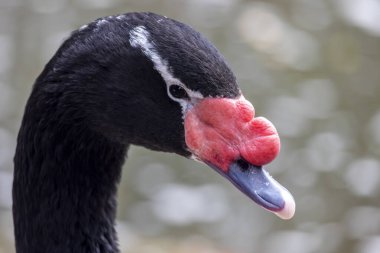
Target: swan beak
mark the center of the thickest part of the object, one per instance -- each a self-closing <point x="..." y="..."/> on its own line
<point x="226" y="135"/>
<point x="258" y="185"/>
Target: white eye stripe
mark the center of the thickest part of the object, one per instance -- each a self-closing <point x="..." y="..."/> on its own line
<point x="139" y="38"/>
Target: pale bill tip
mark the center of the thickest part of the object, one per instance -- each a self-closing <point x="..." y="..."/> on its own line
<point x="290" y="206"/>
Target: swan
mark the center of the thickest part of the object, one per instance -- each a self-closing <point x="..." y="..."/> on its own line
<point x="131" y="79"/>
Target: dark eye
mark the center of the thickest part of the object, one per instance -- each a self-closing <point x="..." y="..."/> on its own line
<point x="178" y="92"/>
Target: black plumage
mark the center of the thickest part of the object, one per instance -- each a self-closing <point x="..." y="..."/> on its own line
<point x="95" y="97"/>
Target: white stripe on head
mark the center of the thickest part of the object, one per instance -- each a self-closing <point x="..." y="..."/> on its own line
<point x="139" y="38"/>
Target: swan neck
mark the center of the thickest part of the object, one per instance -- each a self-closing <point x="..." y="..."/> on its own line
<point x="64" y="189"/>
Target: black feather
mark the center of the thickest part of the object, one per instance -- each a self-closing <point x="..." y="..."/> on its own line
<point x="96" y="96"/>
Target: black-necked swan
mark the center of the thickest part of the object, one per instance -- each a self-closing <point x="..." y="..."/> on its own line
<point x="132" y="79"/>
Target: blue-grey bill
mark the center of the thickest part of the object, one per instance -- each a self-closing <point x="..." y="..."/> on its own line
<point x="258" y="185"/>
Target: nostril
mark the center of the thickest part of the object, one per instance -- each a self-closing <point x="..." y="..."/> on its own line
<point x="243" y="164"/>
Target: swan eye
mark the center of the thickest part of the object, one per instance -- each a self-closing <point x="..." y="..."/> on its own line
<point x="178" y="92"/>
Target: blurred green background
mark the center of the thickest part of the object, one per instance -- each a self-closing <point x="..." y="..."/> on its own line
<point x="312" y="67"/>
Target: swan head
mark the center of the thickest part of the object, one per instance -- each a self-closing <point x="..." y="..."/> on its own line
<point x="167" y="88"/>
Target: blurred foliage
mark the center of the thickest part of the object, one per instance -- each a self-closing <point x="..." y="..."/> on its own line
<point x="311" y="67"/>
